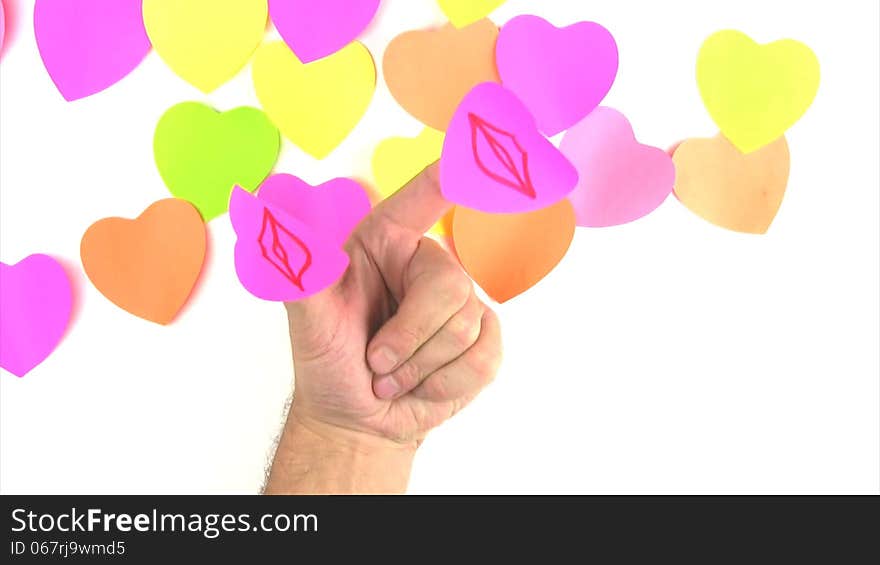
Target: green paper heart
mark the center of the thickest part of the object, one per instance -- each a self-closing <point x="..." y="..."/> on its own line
<point x="202" y="154"/>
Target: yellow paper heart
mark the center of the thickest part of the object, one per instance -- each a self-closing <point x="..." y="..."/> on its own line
<point x="206" y="42"/>
<point x="316" y="105"/>
<point x="465" y="12"/>
<point x="755" y="93"/>
<point x="397" y="160"/>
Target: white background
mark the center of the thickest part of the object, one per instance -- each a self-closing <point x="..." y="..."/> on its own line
<point x="666" y="356"/>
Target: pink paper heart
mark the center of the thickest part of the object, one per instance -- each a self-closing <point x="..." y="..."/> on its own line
<point x="560" y="74"/>
<point x="333" y="209"/>
<point x="89" y="45"/>
<point x="290" y="235"/>
<point x="35" y="301"/>
<point x="621" y="180"/>
<point x="2" y="25"/>
<point x="316" y="28"/>
<point x="495" y="159"/>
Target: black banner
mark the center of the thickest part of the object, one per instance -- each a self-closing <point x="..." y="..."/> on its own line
<point x="134" y="529"/>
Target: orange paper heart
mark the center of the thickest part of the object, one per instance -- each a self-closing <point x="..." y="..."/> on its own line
<point x="429" y="71"/>
<point x="507" y="254"/>
<point x="719" y="183"/>
<point x="150" y="265"/>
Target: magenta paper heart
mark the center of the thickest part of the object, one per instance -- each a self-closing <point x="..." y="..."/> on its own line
<point x="290" y="235"/>
<point x="89" y="45"/>
<point x="560" y="74"/>
<point x="621" y="180"/>
<point x="316" y="28"/>
<point x="333" y="209"/>
<point x="495" y="160"/>
<point x="2" y="25"/>
<point x="35" y="304"/>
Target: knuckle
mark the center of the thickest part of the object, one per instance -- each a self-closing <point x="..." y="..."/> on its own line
<point x="408" y="375"/>
<point x="408" y="338"/>
<point x="455" y="287"/>
<point x="438" y="385"/>
<point x="463" y="331"/>
<point x="485" y="366"/>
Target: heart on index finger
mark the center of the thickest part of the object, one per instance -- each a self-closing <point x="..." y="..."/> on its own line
<point x="495" y="159"/>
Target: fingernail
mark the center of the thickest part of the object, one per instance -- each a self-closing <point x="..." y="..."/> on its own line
<point x="386" y="388"/>
<point x="383" y="360"/>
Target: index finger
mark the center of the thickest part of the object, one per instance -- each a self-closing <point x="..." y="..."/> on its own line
<point x="419" y="204"/>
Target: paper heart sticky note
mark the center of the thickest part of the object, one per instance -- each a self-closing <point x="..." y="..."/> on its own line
<point x="753" y="92"/>
<point x="737" y="191"/>
<point x="621" y="180"/>
<point x="147" y="266"/>
<point x="89" y="45"/>
<point x="560" y="74"/>
<point x="2" y="25"/>
<point x="397" y="160"/>
<point x="205" y="42"/>
<point x="463" y="13"/>
<point x="333" y="208"/>
<point x="316" y="28"/>
<point x="429" y="71"/>
<point x="316" y="105"/>
<point x="290" y="235"/>
<point x="201" y="153"/>
<point x="507" y="254"/>
<point x="36" y="301"/>
<point x="495" y="159"/>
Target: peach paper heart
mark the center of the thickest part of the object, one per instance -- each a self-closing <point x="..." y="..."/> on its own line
<point x="740" y="192"/>
<point x="429" y="71"/>
<point x="507" y="254"/>
<point x="147" y="266"/>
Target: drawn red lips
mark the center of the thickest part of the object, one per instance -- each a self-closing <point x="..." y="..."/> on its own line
<point x="506" y="162"/>
<point x="274" y="241"/>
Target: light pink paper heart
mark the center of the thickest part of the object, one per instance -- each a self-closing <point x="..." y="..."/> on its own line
<point x="495" y="159"/>
<point x="290" y="235"/>
<point x="316" y="28"/>
<point x="35" y="302"/>
<point x="621" y="180"/>
<point x="89" y="45"/>
<point x="560" y="74"/>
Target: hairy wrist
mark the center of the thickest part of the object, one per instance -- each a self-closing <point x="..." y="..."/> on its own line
<point x="316" y="457"/>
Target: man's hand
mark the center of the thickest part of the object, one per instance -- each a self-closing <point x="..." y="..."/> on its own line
<point x="395" y="348"/>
